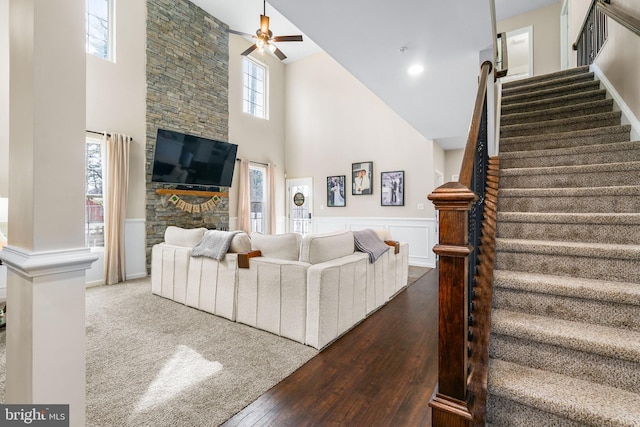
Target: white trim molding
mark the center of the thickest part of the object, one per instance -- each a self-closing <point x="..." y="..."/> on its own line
<point x="36" y="264"/>
<point x="628" y="118"/>
<point x="419" y="233"/>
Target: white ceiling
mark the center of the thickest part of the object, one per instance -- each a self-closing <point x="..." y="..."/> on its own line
<point x="366" y="37"/>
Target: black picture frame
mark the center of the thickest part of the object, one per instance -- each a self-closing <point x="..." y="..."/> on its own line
<point x="336" y="191"/>
<point x="361" y="178"/>
<point x="392" y="188"/>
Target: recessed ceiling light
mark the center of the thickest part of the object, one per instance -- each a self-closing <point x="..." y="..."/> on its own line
<point x="416" y="69"/>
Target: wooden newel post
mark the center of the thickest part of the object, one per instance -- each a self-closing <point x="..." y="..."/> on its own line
<point x="451" y="405"/>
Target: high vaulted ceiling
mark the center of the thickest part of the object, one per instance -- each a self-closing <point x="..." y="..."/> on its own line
<point x="377" y="41"/>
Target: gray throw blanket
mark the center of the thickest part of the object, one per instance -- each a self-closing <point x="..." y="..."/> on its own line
<point x="368" y="241"/>
<point x="214" y="244"/>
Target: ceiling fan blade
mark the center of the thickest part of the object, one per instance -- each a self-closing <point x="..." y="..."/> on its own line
<point x="240" y="33"/>
<point x="264" y="24"/>
<point x="248" y="51"/>
<point x="297" y="38"/>
<point x="277" y="52"/>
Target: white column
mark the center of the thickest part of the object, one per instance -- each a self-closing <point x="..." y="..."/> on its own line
<point x="46" y="256"/>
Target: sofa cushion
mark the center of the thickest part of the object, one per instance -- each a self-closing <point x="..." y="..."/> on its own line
<point x="281" y="246"/>
<point x="240" y="243"/>
<point x="317" y="248"/>
<point x="188" y="237"/>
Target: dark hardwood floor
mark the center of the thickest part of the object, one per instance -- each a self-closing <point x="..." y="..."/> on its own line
<point x="381" y="373"/>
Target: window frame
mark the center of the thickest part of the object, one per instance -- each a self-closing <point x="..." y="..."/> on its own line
<point x="93" y="140"/>
<point x="245" y="88"/>
<point x="265" y="199"/>
<point x="110" y="41"/>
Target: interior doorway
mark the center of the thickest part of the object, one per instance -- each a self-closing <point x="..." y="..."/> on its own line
<point x="299" y="205"/>
<point x="520" y="51"/>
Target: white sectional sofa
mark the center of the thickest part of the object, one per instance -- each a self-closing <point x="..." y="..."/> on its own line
<point x="311" y="290"/>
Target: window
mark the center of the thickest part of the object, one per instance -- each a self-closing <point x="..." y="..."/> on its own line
<point x="254" y="93"/>
<point x="258" y="195"/>
<point x="100" y="28"/>
<point x="94" y="204"/>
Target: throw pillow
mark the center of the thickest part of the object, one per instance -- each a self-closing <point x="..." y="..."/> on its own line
<point x="240" y="243"/>
<point x="281" y="246"/>
<point x="188" y="237"/>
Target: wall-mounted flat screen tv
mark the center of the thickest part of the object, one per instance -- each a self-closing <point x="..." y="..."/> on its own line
<point x="189" y="160"/>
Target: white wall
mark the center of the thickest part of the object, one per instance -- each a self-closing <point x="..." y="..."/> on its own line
<point x="258" y="140"/>
<point x="333" y="121"/>
<point x="4" y="98"/>
<point x="453" y="161"/>
<point x="116" y="102"/>
<point x="546" y="35"/>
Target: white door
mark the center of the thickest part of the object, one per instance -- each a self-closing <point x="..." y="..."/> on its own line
<point x="520" y="53"/>
<point x="299" y="205"/>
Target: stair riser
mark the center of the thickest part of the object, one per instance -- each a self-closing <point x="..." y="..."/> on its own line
<point x="616" y="156"/>
<point x="572" y="180"/>
<point x="502" y="412"/>
<point x="585" y="366"/>
<point x="616" y="315"/>
<point x="578" y="124"/>
<point x="570" y="204"/>
<point x="527" y="107"/>
<point x="587" y="233"/>
<point x="613" y="269"/>
<point x="549" y="95"/>
<point x="558" y="83"/>
<point x="542" y="143"/>
<point x="507" y="120"/>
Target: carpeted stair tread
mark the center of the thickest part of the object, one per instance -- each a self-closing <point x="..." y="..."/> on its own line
<point x="547" y="77"/>
<point x="602" y="340"/>
<point x="552" y="126"/>
<point x="618" y="228"/>
<point x="560" y="81"/>
<point x="607" y="174"/>
<point x="576" y="249"/>
<point x="601" y="135"/>
<point x="566" y="111"/>
<point x="616" y="152"/>
<point x="613" y="292"/>
<point x="559" y="101"/>
<point x="551" y="93"/>
<point x="581" y="401"/>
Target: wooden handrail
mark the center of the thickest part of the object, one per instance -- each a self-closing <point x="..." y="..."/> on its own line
<point x="466" y="170"/>
<point x="620" y="16"/>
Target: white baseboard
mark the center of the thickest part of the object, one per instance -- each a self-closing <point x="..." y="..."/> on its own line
<point x="628" y="118"/>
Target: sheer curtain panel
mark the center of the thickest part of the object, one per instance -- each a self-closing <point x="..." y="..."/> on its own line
<point x="116" y="185"/>
<point x="271" y="176"/>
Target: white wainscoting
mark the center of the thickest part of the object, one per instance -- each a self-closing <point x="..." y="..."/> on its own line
<point x="420" y="233"/>
<point x="134" y="246"/>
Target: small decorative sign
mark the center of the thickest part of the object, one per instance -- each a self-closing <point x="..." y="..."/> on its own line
<point x="209" y="205"/>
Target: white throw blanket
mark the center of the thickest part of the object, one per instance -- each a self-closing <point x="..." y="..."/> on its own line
<point x="214" y="244"/>
<point x="368" y="241"/>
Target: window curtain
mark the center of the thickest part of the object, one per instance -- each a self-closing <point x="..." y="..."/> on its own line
<point x="244" y="198"/>
<point x="271" y="197"/>
<point x="116" y="185"/>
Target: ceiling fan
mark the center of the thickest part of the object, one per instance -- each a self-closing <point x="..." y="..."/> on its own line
<point x="264" y="37"/>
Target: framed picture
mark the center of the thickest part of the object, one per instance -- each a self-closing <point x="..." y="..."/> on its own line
<point x="392" y="184"/>
<point x="336" y="191"/>
<point x="362" y="178"/>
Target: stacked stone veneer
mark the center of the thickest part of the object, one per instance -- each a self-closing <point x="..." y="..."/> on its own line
<point x="187" y="91"/>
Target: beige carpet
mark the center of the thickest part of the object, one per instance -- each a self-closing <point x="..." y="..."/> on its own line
<point x="153" y="362"/>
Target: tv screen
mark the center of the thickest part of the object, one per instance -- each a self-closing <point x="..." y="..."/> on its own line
<point x="192" y="160"/>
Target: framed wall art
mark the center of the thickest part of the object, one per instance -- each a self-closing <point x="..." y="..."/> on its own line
<point x="336" y="191"/>
<point x="392" y="192"/>
<point x="362" y="178"/>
